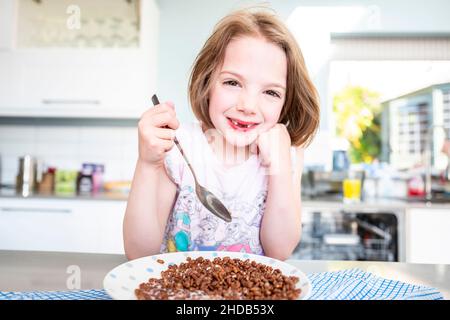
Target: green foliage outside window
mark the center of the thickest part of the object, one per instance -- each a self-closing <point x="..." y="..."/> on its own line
<point x="358" y="117"/>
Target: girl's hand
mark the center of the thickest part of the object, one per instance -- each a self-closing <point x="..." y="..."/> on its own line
<point x="155" y="139"/>
<point x="273" y="147"/>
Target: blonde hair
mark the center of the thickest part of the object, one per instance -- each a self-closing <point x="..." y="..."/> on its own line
<point x="300" y="112"/>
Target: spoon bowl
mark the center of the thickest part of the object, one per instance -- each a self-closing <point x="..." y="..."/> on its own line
<point x="212" y="203"/>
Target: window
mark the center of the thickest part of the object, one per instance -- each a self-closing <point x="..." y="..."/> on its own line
<point x="406" y="72"/>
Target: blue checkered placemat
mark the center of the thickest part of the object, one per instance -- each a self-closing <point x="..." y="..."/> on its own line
<point x="356" y="284"/>
<point x="56" y="295"/>
<point x="350" y="284"/>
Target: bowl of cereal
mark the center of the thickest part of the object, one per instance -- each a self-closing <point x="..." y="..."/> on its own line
<point x="206" y="275"/>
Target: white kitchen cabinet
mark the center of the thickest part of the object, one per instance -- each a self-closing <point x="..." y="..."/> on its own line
<point x="7" y="15"/>
<point x="428" y="236"/>
<point x="10" y="82"/>
<point x="9" y="72"/>
<point x="61" y="225"/>
<point x="104" y="82"/>
<point x="54" y="84"/>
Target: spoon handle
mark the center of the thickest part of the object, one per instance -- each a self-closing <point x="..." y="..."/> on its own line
<point x="155" y="101"/>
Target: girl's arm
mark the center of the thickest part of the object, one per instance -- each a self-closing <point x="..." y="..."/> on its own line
<point x="281" y="223"/>
<point x="149" y="203"/>
<point x="152" y="193"/>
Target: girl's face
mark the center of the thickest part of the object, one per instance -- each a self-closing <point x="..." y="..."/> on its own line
<point x="249" y="89"/>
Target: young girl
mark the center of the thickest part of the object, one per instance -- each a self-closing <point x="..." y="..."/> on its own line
<point x="257" y="109"/>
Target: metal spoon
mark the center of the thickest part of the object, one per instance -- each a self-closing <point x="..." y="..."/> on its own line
<point x="207" y="198"/>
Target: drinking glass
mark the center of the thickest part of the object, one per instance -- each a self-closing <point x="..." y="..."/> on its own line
<point x="351" y="187"/>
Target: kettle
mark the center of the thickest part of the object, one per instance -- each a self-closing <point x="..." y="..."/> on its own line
<point x="26" y="177"/>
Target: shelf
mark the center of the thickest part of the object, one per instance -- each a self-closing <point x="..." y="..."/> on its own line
<point x="25" y="116"/>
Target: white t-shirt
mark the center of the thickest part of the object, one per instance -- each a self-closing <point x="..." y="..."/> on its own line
<point x="241" y="188"/>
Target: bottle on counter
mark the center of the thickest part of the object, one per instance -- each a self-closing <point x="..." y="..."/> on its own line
<point x="416" y="187"/>
<point x="97" y="178"/>
<point x="85" y="182"/>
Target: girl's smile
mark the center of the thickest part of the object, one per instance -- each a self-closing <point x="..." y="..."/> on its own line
<point x="240" y="125"/>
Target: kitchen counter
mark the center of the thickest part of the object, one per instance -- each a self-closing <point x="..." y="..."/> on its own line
<point x="108" y="196"/>
<point x="322" y="201"/>
<point x="33" y="270"/>
<point x="373" y="203"/>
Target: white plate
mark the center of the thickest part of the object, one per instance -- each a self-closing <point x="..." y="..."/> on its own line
<point x="121" y="282"/>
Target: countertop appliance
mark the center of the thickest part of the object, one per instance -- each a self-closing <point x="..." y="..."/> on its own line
<point x="27" y="175"/>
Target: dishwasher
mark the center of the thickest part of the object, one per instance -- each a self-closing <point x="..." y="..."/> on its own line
<point x="351" y="234"/>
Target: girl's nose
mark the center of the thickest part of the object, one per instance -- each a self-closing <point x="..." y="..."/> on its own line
<point x="247" y="104"/>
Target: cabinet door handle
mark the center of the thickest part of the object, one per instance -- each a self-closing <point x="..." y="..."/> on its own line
<point x="73" y="101"/>
<point x="41" y="210"/>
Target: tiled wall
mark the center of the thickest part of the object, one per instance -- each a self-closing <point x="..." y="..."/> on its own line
<point x="67" y="147"/>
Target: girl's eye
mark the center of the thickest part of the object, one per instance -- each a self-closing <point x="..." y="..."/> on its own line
<point x="273" y="93"/>
<point x="231" y="83"/>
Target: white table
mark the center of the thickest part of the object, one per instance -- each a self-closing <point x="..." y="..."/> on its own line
<point x="33" y="270"/>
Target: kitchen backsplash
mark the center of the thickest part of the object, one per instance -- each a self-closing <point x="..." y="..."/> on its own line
<point x="67" y="147"/>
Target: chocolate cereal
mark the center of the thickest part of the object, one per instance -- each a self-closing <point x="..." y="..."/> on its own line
<point x="220" y="278"/>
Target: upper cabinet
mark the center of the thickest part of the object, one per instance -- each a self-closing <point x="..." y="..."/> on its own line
<point x="77" y="58"/>
<point x="6" y="24"/>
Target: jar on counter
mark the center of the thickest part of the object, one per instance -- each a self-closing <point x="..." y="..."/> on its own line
<point x="47" y="184"/>
<point x="66" y="182"/>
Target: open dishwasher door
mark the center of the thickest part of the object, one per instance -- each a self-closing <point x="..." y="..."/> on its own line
<point x="351" y="234"/>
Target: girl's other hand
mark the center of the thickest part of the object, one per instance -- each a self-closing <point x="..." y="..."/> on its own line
<point x="156" y="130"/>
<point x="273" y="148"/>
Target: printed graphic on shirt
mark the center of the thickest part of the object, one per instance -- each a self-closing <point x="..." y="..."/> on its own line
<point x="206" y="240"/>
<point x="180" y="221"/>
<point x="192" y="227"/>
